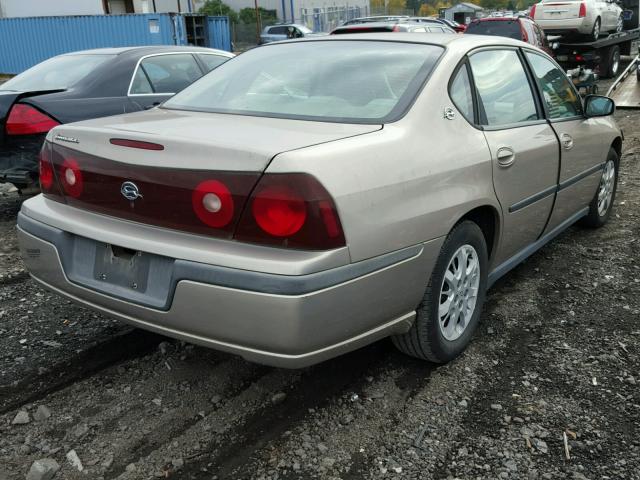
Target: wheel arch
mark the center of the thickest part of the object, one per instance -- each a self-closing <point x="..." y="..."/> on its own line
<point x="487" y="218"/>
<point x="617" y="146"/>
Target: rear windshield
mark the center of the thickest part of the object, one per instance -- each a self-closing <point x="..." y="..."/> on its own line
<point x="339" y="81"/>
<point x="56" y="73"/>
<point x="500" y="28"/>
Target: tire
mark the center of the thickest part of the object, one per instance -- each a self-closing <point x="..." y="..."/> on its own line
<point x="598" y="215"/>
<point x="595" y="31"/>
<point x="427" y="339"/>
<point x="619" y="24"/>
<point x="610" y="62"/>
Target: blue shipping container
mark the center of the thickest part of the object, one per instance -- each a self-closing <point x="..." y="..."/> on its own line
<point x="25" y="42"/>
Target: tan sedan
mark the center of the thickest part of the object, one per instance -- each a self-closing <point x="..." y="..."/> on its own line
<point x="309" y="197"/>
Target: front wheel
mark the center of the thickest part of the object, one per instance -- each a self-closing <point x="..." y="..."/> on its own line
<point x="451" y="307"/>
<point x="602" y="203"/>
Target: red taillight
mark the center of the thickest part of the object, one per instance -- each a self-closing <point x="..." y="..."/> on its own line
<point x="71" y="178"/>
<point x="213" y="204"/>
<point x="26" y="120"/>
<point x="279" y="210"/>
<point x="583" y="10"/>
<point x="46" y="169"/>
<point x="291" y="210"/>
<point x="532" y="14"/>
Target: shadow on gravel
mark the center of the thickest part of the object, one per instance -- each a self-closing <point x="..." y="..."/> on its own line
<point x="117" y="349"/>
<point x="317" y="387"/>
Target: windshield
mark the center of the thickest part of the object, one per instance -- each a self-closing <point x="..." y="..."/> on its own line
<point x="500" y="28"/>
<point x="340" y="81"/>
<point x="56" y="73"/>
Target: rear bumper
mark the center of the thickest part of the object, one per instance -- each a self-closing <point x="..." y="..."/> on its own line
<point x="282" y="320"/>
<point x="571" y="25"/>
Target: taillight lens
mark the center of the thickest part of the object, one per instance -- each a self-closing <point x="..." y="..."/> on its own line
<point x="291" y="210"/>
<point x="279" y="210"/>
<point x="213" y="203"/>
<point x="71" y="178"/>
<point x="46" y="169"/>
<point x="26" y="120"/>
<point x="583" y="10"/>
<point x="532" y="14"/>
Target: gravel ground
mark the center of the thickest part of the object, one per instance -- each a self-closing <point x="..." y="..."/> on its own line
<point x="548" y="389"/>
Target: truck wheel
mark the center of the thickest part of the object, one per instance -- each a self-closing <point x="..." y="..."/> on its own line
<point x="610" y="62"/>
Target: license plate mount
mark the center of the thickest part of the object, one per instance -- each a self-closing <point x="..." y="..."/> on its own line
<point x="121" y="267"/>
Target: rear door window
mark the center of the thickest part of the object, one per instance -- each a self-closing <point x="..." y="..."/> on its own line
<point x="212" y="61"/>
<point x="460" y="92"/>
<point x="165" y="74"/>
<point x="278" y="31"/>
<point x="504" y="93"/>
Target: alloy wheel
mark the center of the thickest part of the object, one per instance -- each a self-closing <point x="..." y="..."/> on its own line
<point x="459" y="292"/>
<point x="619" y="24"/>
<point x="607" y="184"/>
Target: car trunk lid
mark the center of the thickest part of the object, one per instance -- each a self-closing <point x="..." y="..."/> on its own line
<point x="558" y="10"/>
<point x="158" y="167"/>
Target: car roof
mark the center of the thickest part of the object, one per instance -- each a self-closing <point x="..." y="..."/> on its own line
<point x="145" y="50"/>
<point x="441" y="39"/>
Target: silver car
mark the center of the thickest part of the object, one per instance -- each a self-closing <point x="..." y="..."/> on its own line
<point x="586" y="17"/>
<point x="290" y="218"/>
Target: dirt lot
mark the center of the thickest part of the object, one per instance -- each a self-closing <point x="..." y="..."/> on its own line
<point x="557" y="355"/>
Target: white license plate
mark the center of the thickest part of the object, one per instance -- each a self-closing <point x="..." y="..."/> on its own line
<point x="562" y="58"/>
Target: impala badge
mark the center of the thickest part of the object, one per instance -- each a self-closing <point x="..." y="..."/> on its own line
<point x="62" y="138"/>
<point x="130" y="191"/>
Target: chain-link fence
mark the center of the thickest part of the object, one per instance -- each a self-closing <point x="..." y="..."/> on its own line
<point x="328" y="18"/>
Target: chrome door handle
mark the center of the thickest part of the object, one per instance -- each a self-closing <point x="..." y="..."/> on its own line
<point x="506" y="156"/>
<point x="567" y="141"/>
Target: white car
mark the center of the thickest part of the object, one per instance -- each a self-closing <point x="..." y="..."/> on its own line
<point x="587" y="17"/>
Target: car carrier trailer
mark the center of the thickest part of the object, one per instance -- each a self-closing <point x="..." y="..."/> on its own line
<point x="625" y="91"/>
<point x="602" y="55"/>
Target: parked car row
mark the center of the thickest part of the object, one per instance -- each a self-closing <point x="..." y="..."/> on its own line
<point x="289" y="217"/>
<point x="84" y="85"/>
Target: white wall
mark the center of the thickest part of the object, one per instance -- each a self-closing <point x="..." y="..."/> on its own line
<point x="45" y="8"/>
<point x="163" y="6"/>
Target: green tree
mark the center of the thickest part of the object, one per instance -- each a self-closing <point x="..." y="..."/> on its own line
<point x="217" y="8"/>
<point x="267" y="17"/>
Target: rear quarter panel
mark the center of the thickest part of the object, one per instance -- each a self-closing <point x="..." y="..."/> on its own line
<point x="407" y="183"/>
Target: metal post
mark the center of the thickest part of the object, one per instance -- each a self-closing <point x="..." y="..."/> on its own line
<point x="293" y="18"/>
<point x="257" y="22"/>
<point x="154" y="6"/>
<point x="179" y="9"/>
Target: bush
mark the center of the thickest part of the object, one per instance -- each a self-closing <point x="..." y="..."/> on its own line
<point x="217" y="8"/>
<point x="267" y="17"/>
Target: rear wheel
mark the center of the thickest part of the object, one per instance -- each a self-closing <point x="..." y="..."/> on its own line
<point x="595" y="31"/>
<point x="602" y="203"/>
<point x="610" y="62"/>
<point x="452" y="303"/>
<point x="619" y="24"/>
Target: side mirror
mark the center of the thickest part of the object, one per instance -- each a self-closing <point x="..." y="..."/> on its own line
<point x="598" y="106"/>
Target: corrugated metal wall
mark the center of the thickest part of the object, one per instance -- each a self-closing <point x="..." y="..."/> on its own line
<point x="219" y="33"/>
<point x="25" y="42"/>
